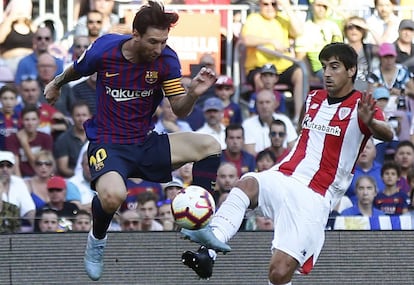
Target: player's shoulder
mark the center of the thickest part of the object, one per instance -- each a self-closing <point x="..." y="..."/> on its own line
<point x="109" y="41"/>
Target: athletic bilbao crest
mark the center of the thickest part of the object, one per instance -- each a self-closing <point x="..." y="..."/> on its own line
<point x="344" y="112"/>
<point x="151" y="77"/>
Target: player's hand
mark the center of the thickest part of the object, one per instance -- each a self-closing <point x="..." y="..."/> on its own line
<point x="51" y="92"/>
<point x="205" y="78"/>
<point x="366" y="108"/>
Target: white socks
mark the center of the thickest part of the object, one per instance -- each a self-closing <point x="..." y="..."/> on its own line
<point x="226" y="222"/>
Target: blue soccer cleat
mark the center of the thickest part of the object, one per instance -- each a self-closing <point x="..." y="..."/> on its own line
<point x="206" y="237"/>
<point x="93" y="259"/>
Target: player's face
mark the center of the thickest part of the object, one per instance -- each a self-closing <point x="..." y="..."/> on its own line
<point x="336" y="77"/>
<point x="150" y="45"/>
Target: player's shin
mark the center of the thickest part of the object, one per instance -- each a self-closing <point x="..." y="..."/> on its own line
<point x="101" y="219"/>
<point x="205" y="172"/>
<point x="229" y="217"/>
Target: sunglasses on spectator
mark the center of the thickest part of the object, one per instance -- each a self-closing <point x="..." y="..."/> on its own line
<point x="269" y="4"/>
<point x="39" y="38"/>
<point x="164" y="202"/>
<point x="352" y="26"/>
<point x="51" y="190"/>
<point x="81" y="46"/>
<point x="94" y="22"/>
<point x="128" y="223"/>
<point x="279" y="134"/>
<point x="5" y="164"/>
<point x="40" y="163"/>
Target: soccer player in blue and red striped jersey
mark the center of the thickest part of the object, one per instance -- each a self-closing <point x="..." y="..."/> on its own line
<point x="134" y="73"/>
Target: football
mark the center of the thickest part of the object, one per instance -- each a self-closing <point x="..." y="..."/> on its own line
<point x="193" y="207"/>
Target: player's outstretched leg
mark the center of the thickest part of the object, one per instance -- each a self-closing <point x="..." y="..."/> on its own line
<point x="206" y="237"/>
<point x="200" y="261"/>
<point x="93" y="259"/>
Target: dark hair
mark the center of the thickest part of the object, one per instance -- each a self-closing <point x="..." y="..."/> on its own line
<point x="29" y="108"/>
<point x="6" y="88"/>
<point x="77" y="104"/>
<point x="234" y="127"/>
<point x="262" y="154"/>
<point x="342" y="52"/>
<point x="391" y="165"/>
<point x="147" y="196"/>
<point x="404" y="143"/>
<point x="278" y="122"/>
<point x="153" y="15"/>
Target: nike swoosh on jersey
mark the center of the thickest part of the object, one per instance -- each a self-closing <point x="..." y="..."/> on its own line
<point x="107" y="74"/>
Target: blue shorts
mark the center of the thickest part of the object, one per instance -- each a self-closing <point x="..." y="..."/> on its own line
<point x="150" y="161"/>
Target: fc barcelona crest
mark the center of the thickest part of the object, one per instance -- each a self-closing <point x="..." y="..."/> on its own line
<point x="151" y="77"/>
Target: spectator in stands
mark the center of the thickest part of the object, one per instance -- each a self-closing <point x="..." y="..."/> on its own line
<point x="366" y="166"/>
<point x="94" y="21"/>
<point x="86" y="91"/>
<point x="226" y="178"/>
<point x="272" y="30"/>
<point x="265" y="159"/>
<point x="82" y="222"/>
<point x="277" y="136"/>
<point x="172" y="188"/>
<point x="147" y="210"/>
<point x="196" y="117"/>
<point x="234" y="152"/>
<point x="137" y="186"/>
<point x="404" y="156"/>
<point x="258" y="222"/>
<point x="185" y="174"/>
<point x="319" y="31"/>
<point x="209" y="61"/>
<point x="27" y="141"/>
<point x="9" y="214"/>
<point x="168" y="122"/>
<point x="224" y="89"/>
<point x="28" y="64"/>
<point x="404" y="44"/>
<point x="69" y="144"/>
<point x="50" y="118"/>
<point x="66" y="211"/>
<point x="257" y="127"/>
<point x="130" y="221"/>
<point x="383" y="23"/>
<point x="269" y="78"/>
<point x="15" y="191"/>
<point x="80" y="44"/>
<point x="46" y="71"/>
<point x="366" y="190"/>
<point x="397" y="79"/>
<point x="9" y="119"/>
<point x="110" y="20"/>
<point x="48" y="222"/>
<point x="45" y="167"/>
<point x="391" y="200"/>
<point x="16" y="32"/>
<point x="213" y="114"/>
<point x="165" y="216"/>
<point x="386" y="150"/>
<point x="82" y="181"/>
<point x="355" y="32"/>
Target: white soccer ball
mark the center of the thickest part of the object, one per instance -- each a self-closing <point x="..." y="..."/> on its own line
<point x="193" y="207"/>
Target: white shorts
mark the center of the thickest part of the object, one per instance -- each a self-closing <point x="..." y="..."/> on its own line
<point x="299" y="215"/>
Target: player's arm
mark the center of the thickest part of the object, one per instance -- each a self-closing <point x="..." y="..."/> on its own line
<point x="182" y="105"/>
<point x="52" y="89"/>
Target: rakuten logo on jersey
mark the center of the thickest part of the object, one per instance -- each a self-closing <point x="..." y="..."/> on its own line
<point x="121" y="95"/>
<point x="308" y="124"/>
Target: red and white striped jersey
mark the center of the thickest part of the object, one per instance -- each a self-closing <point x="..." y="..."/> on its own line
<point x="327" y="149"/>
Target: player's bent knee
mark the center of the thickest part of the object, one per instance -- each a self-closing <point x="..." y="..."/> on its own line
<point x="111" y="200"/>
<point x="210" y="145"/>
<point x="278" y="277"/>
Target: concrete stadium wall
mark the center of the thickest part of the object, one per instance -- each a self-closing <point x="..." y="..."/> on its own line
<point x="349" y="257"/>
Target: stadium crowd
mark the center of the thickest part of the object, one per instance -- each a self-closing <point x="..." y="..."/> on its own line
<point x="44" y="171"/>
